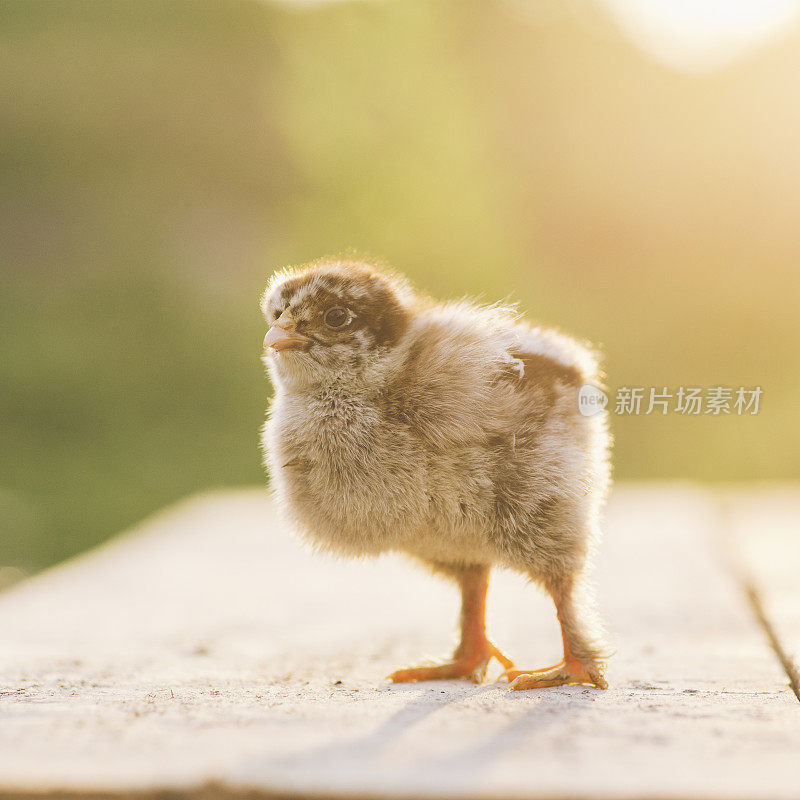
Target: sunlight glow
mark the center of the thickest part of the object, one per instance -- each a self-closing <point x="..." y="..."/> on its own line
<point x="702" y="34"/>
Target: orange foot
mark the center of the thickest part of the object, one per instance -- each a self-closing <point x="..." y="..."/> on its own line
<point x="568" y="672"/>
<point x="470" y="664"/>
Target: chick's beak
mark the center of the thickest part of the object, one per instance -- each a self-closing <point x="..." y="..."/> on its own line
<point x="279" y="338"/>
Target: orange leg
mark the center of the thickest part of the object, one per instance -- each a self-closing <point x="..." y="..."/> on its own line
<point x="473" y="654"/>
<point x="569" y="671"/>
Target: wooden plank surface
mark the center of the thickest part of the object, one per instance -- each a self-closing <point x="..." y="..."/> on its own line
<point x="208" y="646"/>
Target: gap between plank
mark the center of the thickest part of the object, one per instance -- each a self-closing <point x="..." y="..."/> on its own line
<point x="748" y="585"/>
<point x="754" y="598"/>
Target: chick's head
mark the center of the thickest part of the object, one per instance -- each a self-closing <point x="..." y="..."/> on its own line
<point x="332" y="320"/>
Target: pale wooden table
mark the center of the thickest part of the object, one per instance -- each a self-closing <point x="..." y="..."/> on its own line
<point x="207" y="649"/>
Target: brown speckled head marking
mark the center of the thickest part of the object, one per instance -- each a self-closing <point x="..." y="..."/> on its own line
<point x="377" y="306"/>
<point x="371" y="298"/>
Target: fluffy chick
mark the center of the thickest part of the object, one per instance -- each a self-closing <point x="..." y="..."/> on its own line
<point x="449" y="432"/>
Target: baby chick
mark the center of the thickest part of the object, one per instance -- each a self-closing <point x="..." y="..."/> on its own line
<point x="448" y="432"/>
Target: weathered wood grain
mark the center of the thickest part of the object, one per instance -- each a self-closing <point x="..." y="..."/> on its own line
<point x="207" y="645"/>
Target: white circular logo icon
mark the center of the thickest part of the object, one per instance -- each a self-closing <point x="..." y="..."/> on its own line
<point x="591" y="400"/>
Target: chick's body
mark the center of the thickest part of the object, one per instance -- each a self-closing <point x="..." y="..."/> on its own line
<point x="447" y="432"/>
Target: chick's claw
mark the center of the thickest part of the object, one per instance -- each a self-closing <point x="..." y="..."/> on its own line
<point x="568" y="673"/>
<point x="469" y="666"/>
<point x="440" y="672"/>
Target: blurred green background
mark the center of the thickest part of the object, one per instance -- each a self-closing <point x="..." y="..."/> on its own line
<point x="159" y="160"/>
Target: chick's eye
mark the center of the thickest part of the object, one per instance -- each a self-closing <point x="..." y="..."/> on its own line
<point x="336" y="318"/>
